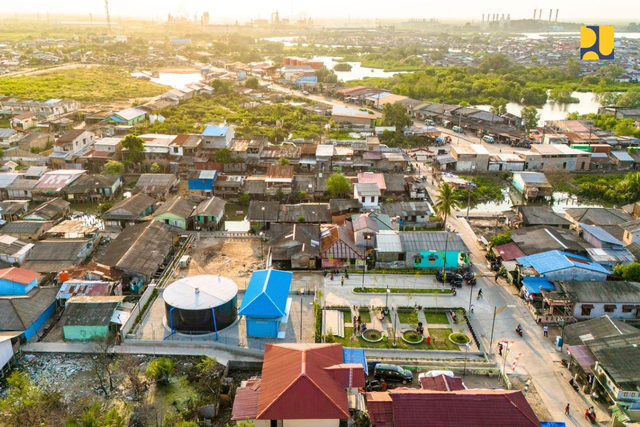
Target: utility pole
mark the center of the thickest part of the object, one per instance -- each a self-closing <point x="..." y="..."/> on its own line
<point x="106" y="6"/>
<point x="468" y="198"/>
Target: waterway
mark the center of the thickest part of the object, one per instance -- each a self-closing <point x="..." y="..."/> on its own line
<point x="175" y="80"/>
<point x="556" y="111"/>
<point x="617" y="35"/>
<point x="357" y="70"/>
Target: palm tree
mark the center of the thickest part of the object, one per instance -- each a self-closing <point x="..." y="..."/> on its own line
<point x="631" y="185"/>
<point x="446" y="201"/>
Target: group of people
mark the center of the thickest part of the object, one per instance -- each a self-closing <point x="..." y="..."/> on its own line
<point x="336" y="272"/>
<point x="358" y="325"/>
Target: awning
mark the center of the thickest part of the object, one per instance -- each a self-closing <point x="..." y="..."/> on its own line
<point x="628" y="307"/>
<point x="587" y="306"/>
<point x="609" y="306"/>
<point x="583" y="357"/>
<point x="532" y="285"/>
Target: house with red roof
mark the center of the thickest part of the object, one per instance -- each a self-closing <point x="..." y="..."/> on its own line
<point x="17" y="281"/>
<point x="477" y="408"/>
<point x="301" y="384"/>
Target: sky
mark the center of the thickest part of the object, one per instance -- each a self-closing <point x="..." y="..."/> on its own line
<point x="588" y="11"/>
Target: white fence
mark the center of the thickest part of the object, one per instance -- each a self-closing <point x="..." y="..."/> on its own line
<point x="137" y="310"/>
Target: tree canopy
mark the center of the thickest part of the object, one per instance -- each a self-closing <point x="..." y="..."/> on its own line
<point x="446" y="200"/>
<point x="113" y="167"/>
<point x="395" y="115"/>
<point x="530" y="118"/>
<point x="629" y="272"/>
<point x="134" y="147"/>
<point x="338" y="185"/>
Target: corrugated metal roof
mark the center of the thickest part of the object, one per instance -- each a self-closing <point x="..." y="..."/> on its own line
<point x="416" y="241"/>
<point x="215" y="130"/>
<point x="601" y="234"/>
<point x="200" y="292"/>
<point x="547" y="262"/>
<point x="266" y="294"/>
<point x="389" y="242"/>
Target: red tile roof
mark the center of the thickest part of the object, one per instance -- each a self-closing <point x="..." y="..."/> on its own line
<point x="376" y="178"/>
<point x="508" y="251"/>
<point x="296" y="385"/>
<point x="442" y="383"/>
<point x="245" y="404"/>
<point x="18" y="275"/>
<point x="478" y="408"/>
<point x="380" y="409"/>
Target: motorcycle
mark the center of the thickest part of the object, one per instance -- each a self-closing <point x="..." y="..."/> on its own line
<point x="471" y="282"/>
<point x="375" y="385"/>
<point x="519" y="331"/>
<point x="456" y="283"/>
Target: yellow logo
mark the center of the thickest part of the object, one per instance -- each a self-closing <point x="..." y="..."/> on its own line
<point x="596" y="42"/>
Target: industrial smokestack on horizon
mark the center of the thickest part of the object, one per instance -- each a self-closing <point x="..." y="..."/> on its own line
<point x="557" y="10"/>
<point x="540" y="15"/>
<point x="534" y="13"/>
<point x="483" y="17"/>
<point x="550" y="13"/>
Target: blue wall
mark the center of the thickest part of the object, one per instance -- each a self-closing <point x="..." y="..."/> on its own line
<point x="263" y="328"/>
<point x="201" y="184"/>
<point x="438" y="262"/>
<point x="40" y="321"/>
<point x="8" y="287"/>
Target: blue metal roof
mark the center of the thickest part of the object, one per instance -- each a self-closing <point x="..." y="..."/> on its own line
<point x="355" y="355"/>
<point x="546" y="262"/>
<point x="533" y="284"/>
<point x="215" y="130"/>
<point x="266" y="294"/>
<point x="601" y="234"/>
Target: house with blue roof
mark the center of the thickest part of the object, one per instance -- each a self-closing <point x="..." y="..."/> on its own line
<point x="598" y="237"/>
<point x="201" y="182"/>
<point x="128" y="117"/>
<point x="532" y="287"/>
<point x="218" y="136"/>
<point x="558" y="265"/>
<point x="266" y="303"/>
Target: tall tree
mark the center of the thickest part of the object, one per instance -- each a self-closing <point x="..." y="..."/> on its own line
<point x="223" y="155"/>
<point x="395" y="115"/>
<point x="446" y="200"/>
<point x="338" y="185"/>
<point x="530" y="118"/>
<point x="113" y="167"/>
<point x="134" y="147"/>
<point x="499" y="107"/>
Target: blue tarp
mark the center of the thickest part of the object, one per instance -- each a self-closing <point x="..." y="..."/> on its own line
<point x="355" y="355"/>
<point x="533" y="284"/>
<point x="552" y="424"/>
<point x="266" y="295"/>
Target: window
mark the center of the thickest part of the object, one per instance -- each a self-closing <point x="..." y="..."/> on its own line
<point x="432" y="259"/>
<point x="564" y="165"/>
<point x="362" y="199"/>
<point x="372" y="199"/>
<point x="586" y="311"/>
<point x="627" y="308"/>
<point x="609" y="308"/>
<point x="582" y="166"/>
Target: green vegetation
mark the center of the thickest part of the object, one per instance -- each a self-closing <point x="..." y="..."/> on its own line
<point x="436" y="318"/>
<point x="134" y="147"/>
<point x="155" y="168"/>
<point x="459" y="338"/>
<point x="500" y="239"/>
<point x="412" y="336"/>
<point x="160" y="370"/>
<point x="277" y="120"/>
<point x="103" y="207"/>
<point x="563" y="95"/>
<point x="365" y="315"/>
<point x="439" y="341"/>
<point x="621" y="127"/>
<point x="408" y="317"/>
<point x="252" y="83"/>
<point x="530" y="118"/>
<point x="338" y="185"/>
<point x="485" y="189"/>
<point x="616" y="189"/>
<point x="28" y="405"/>
<point x="359" y="290"/>
<point x="446" y="200"/>
<point x="395" y="115"/>
<point x="629" y="273"/>
<point x="629" y="99"/>
<point x="113" y="167"/>
<point x="495" y="78"/>
<point x="95" y="84"/>
<point x="342" y="66"/>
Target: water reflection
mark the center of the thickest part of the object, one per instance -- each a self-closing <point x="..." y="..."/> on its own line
<point x="357" y="71"/>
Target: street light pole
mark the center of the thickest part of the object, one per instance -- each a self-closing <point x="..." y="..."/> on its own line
<point x="468" y="198"/>
<point x="470" y="295"/>
<point x="444" y="265"/>
<point x="386" y="301"/>
<point x="395" y="322"/>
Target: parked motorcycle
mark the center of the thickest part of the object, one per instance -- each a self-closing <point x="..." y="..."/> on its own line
<point x="519" y="331"/>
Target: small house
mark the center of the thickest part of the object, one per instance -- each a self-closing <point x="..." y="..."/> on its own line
<point x="279" y="178"/>
<point x="368" y="194"/>
<point x="13" y="210"/>
<point x="12" y="250"/>
<point x="53" y="210"/>
<point x="532" y="184"/>
<point x="558" y="265"/>
<point x="433" y="249"/>
<point x="53" y="183"/>
<point x="92" y="188"/>
<point x="208" y="214"/>
<point x="128" y="117"/>
<point x="631" y="231"/>
<point x="157" y="185"/>
<point x="26" y="231"/>
<point x="17" y="281"/>
<point x="599" y="238"/>
<point x="52" y="256"/>
<point x="89" y="318"/>
<point x="201" y="182"/>
<point x="129" y="211"/>
<point x="295" y="245"/>
<point x="175" y="212"/>
<point x="266" y="303"/>
<point x="24" y="121"/>
<point x="217" y="136"/>
<point x="27" y="314"/>
<point x="616" y="299"/>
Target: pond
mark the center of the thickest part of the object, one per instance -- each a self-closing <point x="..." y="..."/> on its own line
<point x="556" y="111"/>
<point x="357" y="70"/>
<point x="559" y="202"/>
<point x="175" y="80"/>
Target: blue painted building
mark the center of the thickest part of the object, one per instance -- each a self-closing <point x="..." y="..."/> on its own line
<point x="17" y="281"/>
<point x="202" y="181"/>
<point x="558" y="265"/>
<point x="266" y="302"/>
<point x="306" y="80"/>
<point x="27" y="314"/>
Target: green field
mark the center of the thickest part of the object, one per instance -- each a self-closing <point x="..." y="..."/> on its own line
<point x="95" y="84"/>
<point x="436" y="318"/>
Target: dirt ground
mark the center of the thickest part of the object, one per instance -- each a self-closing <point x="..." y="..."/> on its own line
<point x="533" y="398"/>
<point x="235" y="259"/>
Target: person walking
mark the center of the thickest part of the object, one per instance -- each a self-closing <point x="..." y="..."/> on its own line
<point x="479" y="293"/>
<point x="499" y="349"/>
<point x="471" y="308"/>
<point x="566" y="410"/>
<point x="342" y="281"/>
<point x="546" y="330"/>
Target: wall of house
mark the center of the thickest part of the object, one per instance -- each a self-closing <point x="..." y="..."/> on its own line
<point x="84" y="333"/>
<point x="171" y="219"/>
<point x="629" y="238"/>
<point x="6" y="352"/>
<point x="201" y="184"/>
<point x="598" y="311"/>
<point x="574" y="273"/>
<point x="311" y="423"/>
<point x="262" y="328"/>
<point x="39" y="323"/>
<point x="19" y="256"/>
<point x="437" y="259"/>
<point x="369" y="201"/>
<point x="11" y="288"/>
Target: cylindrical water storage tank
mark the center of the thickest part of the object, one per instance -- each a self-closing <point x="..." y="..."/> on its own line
<point x="200" y="304"/>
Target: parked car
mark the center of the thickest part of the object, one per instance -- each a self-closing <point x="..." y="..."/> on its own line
<point x="305" y="93"/>
<point x="392" y="373"/>
<point x="435" y="373"/>
<point x="488" y="139"/>
<point x="451" y="276"/>
<point x="458" y="129"/>
<point x="430" y="122"/>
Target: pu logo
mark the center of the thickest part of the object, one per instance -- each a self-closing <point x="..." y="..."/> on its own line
<point x="596" y="42"/>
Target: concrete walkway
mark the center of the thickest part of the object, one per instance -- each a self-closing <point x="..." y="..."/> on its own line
<point x="223" y="356"/>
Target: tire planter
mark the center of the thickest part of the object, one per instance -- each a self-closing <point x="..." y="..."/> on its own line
<point x="459" y="334"/>
<point x="372" y="335"/>
<point x="411" y="337"/>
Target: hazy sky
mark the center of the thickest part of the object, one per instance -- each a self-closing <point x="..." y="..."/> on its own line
<point x="590" y="11"/>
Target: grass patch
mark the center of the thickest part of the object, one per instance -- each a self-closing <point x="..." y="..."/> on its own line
<point x="441" y="336"/>
<point x="436" y="318"/>
<point x="346" y="315"/>
<point x="412" y="336"/>
<point x="459" y="338"/>
<point x="230" y="210"/>
<point x="410" y="317"/>
<point x="365" y="316"/>
<point x="359" y="290"/>
<point x="95" y="84"/>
